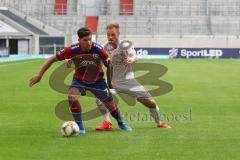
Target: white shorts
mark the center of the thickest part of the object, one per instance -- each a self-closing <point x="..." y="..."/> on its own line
<point x="131" y="87"/>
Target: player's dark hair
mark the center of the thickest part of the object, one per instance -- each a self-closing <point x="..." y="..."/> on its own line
<point x="83" y="32"/>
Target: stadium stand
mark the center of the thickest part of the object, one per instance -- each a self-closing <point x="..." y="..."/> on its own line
<point x="22" y="22"/>
<point x="23" y="35"/>
<point x="126" y="7"/>
<point x="60" y="7"/>
<point x="212" y="13"/>
<point x="165" y="23"/>
<point x="92" y="23"/>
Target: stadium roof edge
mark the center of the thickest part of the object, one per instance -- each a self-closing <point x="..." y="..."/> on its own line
<point x="21" y="30"/>
<point x="37" y="23"/>
<point x="24" y="23"/>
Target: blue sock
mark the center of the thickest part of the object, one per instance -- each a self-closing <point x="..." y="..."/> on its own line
<point x="76" y="110"/>
<point x="117" y="115"/>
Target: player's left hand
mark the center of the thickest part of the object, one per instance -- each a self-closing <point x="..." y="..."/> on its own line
<point x="129" y="60"/>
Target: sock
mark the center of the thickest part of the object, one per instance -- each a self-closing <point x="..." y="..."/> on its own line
<point x="155" y="113"/>
<point x="107" y="117"/>
<point x="103" y="110"/>
<point x="77" y="113"/>
<point x="117" y="115"/>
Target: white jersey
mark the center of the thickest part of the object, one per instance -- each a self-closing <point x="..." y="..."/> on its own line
<point x="120" y="72"/>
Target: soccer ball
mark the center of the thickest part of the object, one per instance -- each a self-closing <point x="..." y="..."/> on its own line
<point x="70" y="129"/>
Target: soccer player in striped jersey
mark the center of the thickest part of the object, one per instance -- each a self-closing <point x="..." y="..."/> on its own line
<point x="87" y="57"/>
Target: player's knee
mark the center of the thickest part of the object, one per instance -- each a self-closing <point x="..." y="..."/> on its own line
<point x="110" y="105"/>
<point x="149" y="102"/>
<point x="73" y="94"/>
<point x="152" y="103"/>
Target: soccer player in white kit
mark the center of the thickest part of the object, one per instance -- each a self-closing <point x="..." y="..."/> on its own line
<point x="122" y="78"/>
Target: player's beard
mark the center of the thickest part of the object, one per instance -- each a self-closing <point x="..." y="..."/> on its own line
<point x="113" y="44"/>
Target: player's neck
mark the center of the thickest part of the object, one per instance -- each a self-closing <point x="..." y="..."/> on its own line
<point x="115" y="45"/>
<point x="85" y="49"/>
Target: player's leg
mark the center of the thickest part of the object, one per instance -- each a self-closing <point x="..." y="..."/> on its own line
<point x="154" y="111"/>
<point x="102" y="92"/>
<point x="75" y="107"/>
<point x="136" y="90"/>
<point x="115" y="112"/>
<point x="106" y="124"/>
<point x="103" y="110"/>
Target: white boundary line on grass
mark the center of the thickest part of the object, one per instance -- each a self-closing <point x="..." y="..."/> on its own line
<point x="19" y="62"/>
<point x="12" y="63"/>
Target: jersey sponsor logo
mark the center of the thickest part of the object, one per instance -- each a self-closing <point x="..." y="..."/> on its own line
<point x="86" y="63"/>
<point x="86" y="59"/>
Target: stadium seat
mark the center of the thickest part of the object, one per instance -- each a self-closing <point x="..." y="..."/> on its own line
<point x="92" y="23"/>
<point x="60" y="7"/>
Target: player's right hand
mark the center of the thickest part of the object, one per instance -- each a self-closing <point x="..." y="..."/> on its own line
<point x="113" y="91"/>
<point x="35" y="79"/>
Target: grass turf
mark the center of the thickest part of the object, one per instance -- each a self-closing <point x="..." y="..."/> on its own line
<point x="203" y="110"/>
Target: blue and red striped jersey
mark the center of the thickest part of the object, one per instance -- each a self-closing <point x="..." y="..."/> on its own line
<point x="88" y="64"/>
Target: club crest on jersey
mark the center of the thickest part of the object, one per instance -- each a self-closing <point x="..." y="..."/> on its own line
<point x="95" y="56"/>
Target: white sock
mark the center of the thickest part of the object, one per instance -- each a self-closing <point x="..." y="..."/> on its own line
<point x="103" y="110"/>
<point x="107" y="117"/>
<point x="155" y="113"/>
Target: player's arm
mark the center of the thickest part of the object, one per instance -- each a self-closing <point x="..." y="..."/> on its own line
<point x="132" y="56"/>
<point x="36" y="78"/>
<point x="106" y="61"/>
<point x="109" y="78"/>
<point x="61" y="55"/>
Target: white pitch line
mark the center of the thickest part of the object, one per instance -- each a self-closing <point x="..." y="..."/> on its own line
<point x="13" y="64"/>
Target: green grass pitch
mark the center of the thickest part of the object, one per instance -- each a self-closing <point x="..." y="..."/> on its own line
<point x="205" y="97"/>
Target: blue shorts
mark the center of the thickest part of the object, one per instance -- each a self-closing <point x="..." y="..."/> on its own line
<point x="99" y="89"/>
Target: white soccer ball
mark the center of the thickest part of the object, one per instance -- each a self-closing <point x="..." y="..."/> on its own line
<point x="70" y="129"/>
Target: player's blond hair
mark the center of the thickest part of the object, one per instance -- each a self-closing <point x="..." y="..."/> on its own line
<point x="113" y="25"/>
